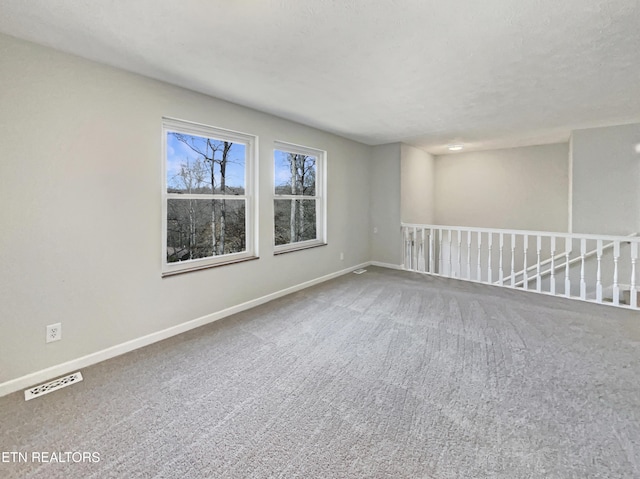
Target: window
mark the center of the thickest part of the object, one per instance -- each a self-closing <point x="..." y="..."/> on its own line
<point x="208" y="204"/>
<point x="299" y="198"/>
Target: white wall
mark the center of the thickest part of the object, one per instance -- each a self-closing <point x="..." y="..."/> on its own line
<point x="80" y="189"/>
<point x="417" y="196"/>
<point x="385" y="204"/>
<point x="606" y="180"/>
<point x="515" y="188"/>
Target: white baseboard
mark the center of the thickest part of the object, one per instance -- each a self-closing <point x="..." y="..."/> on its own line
<point x="52" y="372"/>
<point x="385" y="265"/>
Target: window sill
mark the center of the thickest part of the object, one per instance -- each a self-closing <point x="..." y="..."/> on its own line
<point x="298" y="247"/>
<point x="166" y="274"/>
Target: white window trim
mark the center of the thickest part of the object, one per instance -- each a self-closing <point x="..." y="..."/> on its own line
<point x="250" y="196"/>
<point x="321" y="196"/>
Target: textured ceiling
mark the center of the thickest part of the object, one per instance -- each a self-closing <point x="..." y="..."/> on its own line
<point x="488" y="74"/>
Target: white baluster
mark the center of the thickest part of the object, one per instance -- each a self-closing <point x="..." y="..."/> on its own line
<point x="449" y="243"/>
<point x="489" y="268"/>
<point x="479" y="273"/>
<point x="431" y="259"/>
<point x="407" y="252"/>
<point x="421" y="251"/>
<point x="616" y="286"/>
<point x="416" y="247"/>
<point x="501" y="272"/>
<point x="538" y="277"/>
<point x="440" y="250"/>
<point x="459" y="268"/>
<point x="513" y="261"/>
<point x="599" y="272"/>
<point x="567" y="281"/>
<point x="552" y="282"/>
<point x="423" y="267"/>
<point x="634" y="291"/>
<point x="469" y="255"/>
<point x="416" y="251"/>
<point x="583" y="283"/>
<point x="525" y="276"/>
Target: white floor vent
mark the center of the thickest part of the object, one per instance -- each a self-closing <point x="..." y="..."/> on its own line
<point x="360" y="271"/>
<point x="51" y="386"/>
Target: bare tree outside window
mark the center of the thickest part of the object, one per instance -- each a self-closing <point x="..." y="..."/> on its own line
<point x="297" y="200"/>
<point x="206" y="203"/>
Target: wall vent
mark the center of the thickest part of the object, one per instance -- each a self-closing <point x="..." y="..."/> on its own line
<point x="51" y="386"/>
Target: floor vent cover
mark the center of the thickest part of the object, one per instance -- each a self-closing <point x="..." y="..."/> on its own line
<point x="360" y="271"/>
<point x="51" y="386"/>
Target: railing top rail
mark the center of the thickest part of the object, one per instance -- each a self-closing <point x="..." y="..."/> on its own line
<point x="631" y="238"/>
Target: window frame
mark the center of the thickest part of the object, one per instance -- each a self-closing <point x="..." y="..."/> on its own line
<point x="250" y="195"/>
<point x="320" y="196"/>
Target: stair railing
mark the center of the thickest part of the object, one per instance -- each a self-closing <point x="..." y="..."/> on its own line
<point x="561" y="264"/>
<point x="579" y="266"/>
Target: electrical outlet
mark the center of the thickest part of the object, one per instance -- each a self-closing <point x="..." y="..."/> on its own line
<point x="341" y="256"/>
<point x="54" y="332"/>
<point x="375" y="230"/>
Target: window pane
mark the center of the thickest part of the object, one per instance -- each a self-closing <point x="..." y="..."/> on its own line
<point x="295" y="174"/>
<point x="295" y="220"/>
<point x="196" y="164"/>
<point x="204" y="228"/>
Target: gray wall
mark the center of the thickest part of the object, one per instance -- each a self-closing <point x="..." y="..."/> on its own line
<point x="606" y="180"/>
<point x="417" y="185"/>
<point x="515" y="188"/>
<point x="80" y="188"/>
<point x="385" y="204"/>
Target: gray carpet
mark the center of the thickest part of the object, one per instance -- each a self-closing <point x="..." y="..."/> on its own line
<point x="385" y="374"/>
